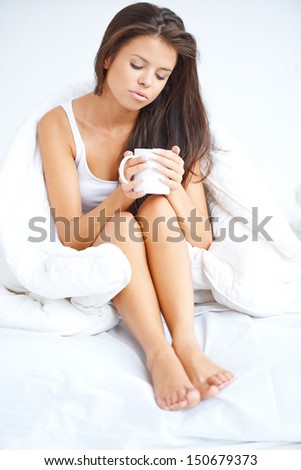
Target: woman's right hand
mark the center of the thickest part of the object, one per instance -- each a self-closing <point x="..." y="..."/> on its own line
<point x="133" y="166"/>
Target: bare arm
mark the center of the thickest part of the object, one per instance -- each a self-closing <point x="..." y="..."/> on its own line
<point x="189" y="203"/>
<point x="74" y="229"/>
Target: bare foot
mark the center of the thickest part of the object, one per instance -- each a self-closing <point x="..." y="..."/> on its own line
<point x="206" y="376"/>
<point x="173" y="389"/>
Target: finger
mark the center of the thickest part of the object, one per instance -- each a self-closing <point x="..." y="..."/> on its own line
<point x="132" y="184"/>
<point x="168" y="153"/>
<point x="135" y="161"/>
<point x="176" y="149"/>
<point x="129" y="189"/>
<point x="171" y="174"/>
<point x="133" y="195"/>
<point x="127" y="152"/>
<point x="170" y="183"/>
<point x="134" y="169"/>
<point x="164" y="153"/>
<point x="165" y="156"/>
<point x="169" y="165"/>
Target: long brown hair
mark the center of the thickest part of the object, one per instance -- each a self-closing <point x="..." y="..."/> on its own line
<point x="177" y="116"/>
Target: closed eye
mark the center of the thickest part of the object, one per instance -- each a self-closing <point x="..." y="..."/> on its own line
<point x="138" y="67"/>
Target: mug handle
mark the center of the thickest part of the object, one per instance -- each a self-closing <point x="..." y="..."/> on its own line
<point x="121" y="169"/>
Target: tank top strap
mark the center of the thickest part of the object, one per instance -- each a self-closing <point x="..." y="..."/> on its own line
<point x="79" y="144"/>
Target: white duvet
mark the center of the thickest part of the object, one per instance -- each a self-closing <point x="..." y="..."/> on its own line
<point x="49" y="287"/>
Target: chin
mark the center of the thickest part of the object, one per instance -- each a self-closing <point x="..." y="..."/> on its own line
<point x="133" y="108"/>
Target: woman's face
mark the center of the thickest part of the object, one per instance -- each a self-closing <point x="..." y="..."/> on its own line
<point x="139" y="71"/>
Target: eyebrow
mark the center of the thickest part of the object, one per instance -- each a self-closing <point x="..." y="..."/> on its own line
<point x="146" y="61"/>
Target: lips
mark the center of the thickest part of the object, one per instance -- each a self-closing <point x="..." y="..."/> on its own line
<point x="138" y="95"/>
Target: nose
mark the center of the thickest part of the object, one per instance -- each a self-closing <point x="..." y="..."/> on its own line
<point x="145" y="80"/>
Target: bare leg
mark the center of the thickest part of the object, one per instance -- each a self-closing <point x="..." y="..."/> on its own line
<point x="138" y="305"/>
<point x="169" y="265"/>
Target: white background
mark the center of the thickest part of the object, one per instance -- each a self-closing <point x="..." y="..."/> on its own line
<point x="249" y="71"/>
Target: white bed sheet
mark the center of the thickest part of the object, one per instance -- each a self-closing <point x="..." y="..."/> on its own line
<point x="84" y="392"/>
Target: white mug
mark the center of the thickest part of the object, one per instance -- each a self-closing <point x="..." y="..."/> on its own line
<point x="151" y="183"/>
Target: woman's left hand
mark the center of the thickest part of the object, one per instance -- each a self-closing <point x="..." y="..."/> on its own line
<point x="172" y="169"/>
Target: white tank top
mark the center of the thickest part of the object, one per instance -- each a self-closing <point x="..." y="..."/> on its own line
<point x="93" y="190"/>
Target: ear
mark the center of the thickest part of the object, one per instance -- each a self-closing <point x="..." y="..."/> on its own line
<point x="106" y="63"/>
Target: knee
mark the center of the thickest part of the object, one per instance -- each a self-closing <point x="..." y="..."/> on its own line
<point x="155" y="216"/>
<point x="122" y="226"/>
<point x="124" y="217"/>
<point x="155" y="206"/>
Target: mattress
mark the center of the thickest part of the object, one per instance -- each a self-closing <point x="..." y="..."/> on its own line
<point x="94" y="392"/>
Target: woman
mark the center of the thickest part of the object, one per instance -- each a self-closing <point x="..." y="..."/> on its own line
<point x="147" y="95"/>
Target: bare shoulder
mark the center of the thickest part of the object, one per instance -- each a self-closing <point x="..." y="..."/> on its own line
<point x="52" y="113"/>
<point x="54" y="120"/>
<point x="54" y="129"/>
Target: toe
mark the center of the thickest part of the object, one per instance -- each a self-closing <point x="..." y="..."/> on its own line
<point x="226" y="378"/>
<point x="222" y="377"/>
<point x="161" y="404"/>
<point x="208" y="391"/>
<point x="219" y="379"/>
<point x="171" y="408"/>
<point x="173" y="402"/>
<point x="193" y="397"/>
<point x="182" y="395"/>
<point x="179" y="400"/>
<point x="186" y="399"/>
<point x="181" y="405"/>
<point x="229" y="375"/>
<point x="216" y="380"/>
<point x="174" y="399"/>
<point x="211" y="391"/>
<point x="178" y="405"/>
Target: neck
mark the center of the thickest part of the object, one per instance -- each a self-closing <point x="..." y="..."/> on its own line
<point x="107" y="113"/>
